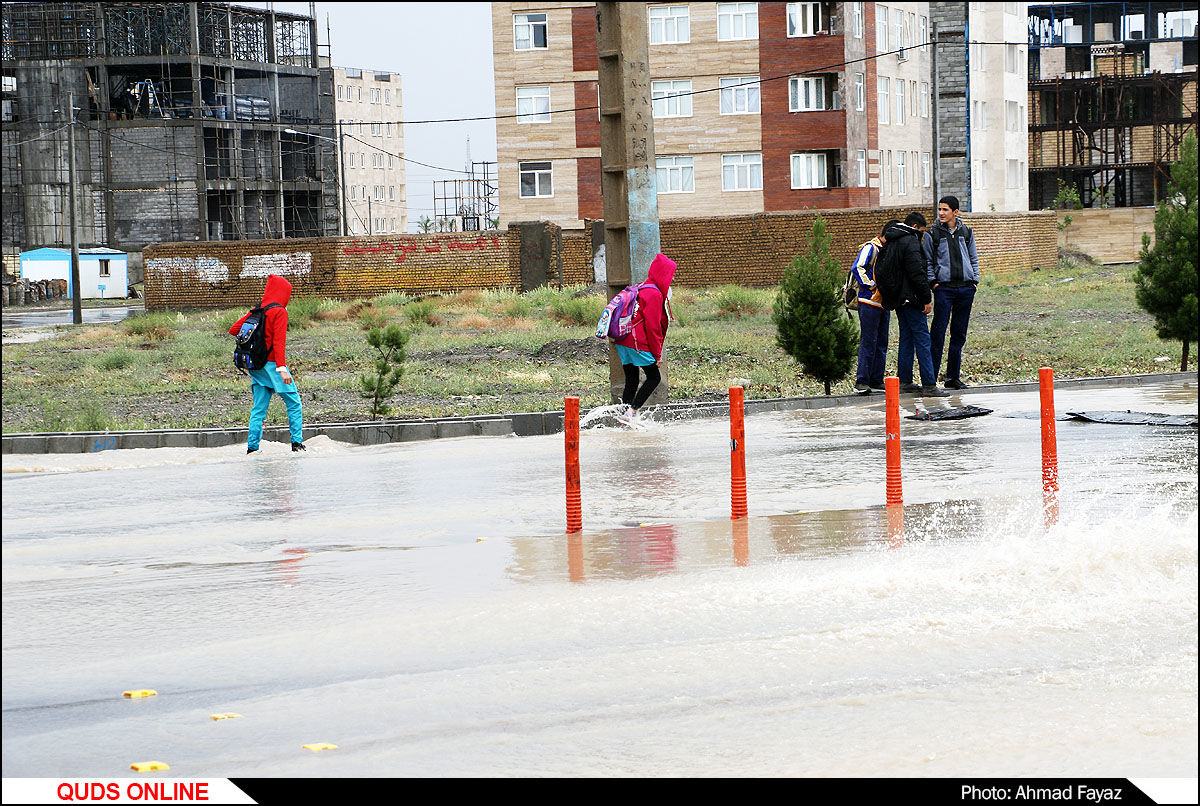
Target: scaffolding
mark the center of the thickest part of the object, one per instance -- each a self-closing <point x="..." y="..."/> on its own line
<point x="180" y="114"/>
<point x="471" y="202"/>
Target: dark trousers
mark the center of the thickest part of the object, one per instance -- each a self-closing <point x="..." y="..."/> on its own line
<point x="914" y="338"/>
<point x="632" y="396"/>
<point x="952" y="307"/>
<point x="873" y="326"/>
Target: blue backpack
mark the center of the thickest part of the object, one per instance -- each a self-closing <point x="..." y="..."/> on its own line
<point x="250" y="350"/>
<point x="616" y="322"/>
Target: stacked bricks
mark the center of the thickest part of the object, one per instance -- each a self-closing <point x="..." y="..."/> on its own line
<point x="750" y="250"/>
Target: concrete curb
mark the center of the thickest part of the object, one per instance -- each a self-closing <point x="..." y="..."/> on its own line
<point x="521" y="424"/>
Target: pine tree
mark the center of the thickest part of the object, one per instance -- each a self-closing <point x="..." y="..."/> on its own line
<point x="389" y="344"/>
<point x="810" y="317"/>
<point x="1166" y="276"/>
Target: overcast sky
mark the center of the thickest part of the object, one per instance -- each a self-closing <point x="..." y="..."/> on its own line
<point x="443" y="52"/>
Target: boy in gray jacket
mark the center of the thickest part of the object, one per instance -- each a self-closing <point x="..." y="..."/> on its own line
<point x="952" y="267"/>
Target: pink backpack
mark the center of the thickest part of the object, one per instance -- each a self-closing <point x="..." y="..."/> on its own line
<point x="616" y="322"/>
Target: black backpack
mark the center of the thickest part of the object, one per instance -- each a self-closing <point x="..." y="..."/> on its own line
<point x="250" y="350"/>
<point x="889" y="275"/>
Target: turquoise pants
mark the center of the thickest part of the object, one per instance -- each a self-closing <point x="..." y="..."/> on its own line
<point x="262" y="398"/>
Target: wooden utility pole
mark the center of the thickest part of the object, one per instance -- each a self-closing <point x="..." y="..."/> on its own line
<point x="628" y="173"/>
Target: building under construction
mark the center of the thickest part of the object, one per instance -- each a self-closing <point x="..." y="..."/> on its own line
<point x="191" y="122"/>
<point x="1112" y="92"/>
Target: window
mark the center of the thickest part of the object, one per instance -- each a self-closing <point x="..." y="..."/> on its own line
<point x="340" y="88"/>
<point x="737" y="21"/>
<point x="860" y="159"/>
<point x="899" y="101"/>
<point x="922" y="30"/>
<point x="924" y="99"/>
<point x="978" y="56"/>
<point x="1013" y="172"/>
<point x="536" y="179"/>
<point x="374" y="94"/>
<point x="104" y="268"/>
<point x="806" y="94"/>
<point x="672" y="99"/>
<point x="805" y="19"/>
<point x="898" y="38"/>
<point x="808" y="171"/>
<point x="885" y="175"/>
<point x="901" y="174"/>
<point x="390" y="165"/>
<point x="391" y="192"/>
<point x="1012" y="116"/>
<point x="741" y="172"/>
<point x="669" y="25"/>
<point x="529" y="31"/>
<point x="675" y="174"/>
<point x="1012" y="58"/>
<point x="860" y="92"/>
<point x="739" y="96"/>
<point x="926" y="173"/>
<point x="979" y="175"/>
<point x="1011" y="8"/>
<point x="387" y="97"/>
<point x="881" y="29"/>
<point x="979" y="119"/>
<point x="533" y="104"/>
<point x="856" y="20"/>
<point x="884" y="98"/>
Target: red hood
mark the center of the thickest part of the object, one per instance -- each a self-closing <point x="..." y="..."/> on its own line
<point x="278" y="290"/>
<point x="662" y="272"/>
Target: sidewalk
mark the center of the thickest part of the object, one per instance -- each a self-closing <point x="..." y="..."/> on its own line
<point x="521" y="424"/>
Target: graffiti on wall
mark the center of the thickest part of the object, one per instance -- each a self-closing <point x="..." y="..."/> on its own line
<point x="294" y="264"/>
<point x="402" y="247"/>
<point x="206" y="269"/>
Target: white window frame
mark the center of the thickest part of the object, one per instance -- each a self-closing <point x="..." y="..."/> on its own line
<point x="856" y="20"/>
<point x="922" y="29"/>
<point x="810" y="87"/>
<point x="1012" y="116"/>
<point x="860" y="158"/>
<point x="901" y="174"/>
<point x="913" y="109"/>
<point x="669" y="25"/>
<point x="105" y="267"/>
<point x="860" y="91"/>
<point x="809" y="170"/>
<point x="745" y="169"/>
<point x="675" y="174"/>
<point x="740" y="88"/>
<point x="881" y="29"/>
<point x="900" y="109"/>
<point x="529" y="24"/>
<point x="732" y="16"/>
<point x="543" y="179"/>
<point x="926" y="170"/>
<point x="885" y="98"/>
<point x="1012" y="58"/>
<point x="924" y="99"/>
<point x="1012" y="173"/>
<point x="533" y="104"/>
<point x="671" y="92"/>
<point x="806" y="19"/>
<point x="898" y="33"/>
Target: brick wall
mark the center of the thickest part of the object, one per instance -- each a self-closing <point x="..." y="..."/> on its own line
<point x="750" y="250"/>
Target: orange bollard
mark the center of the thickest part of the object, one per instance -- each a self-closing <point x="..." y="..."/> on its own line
<point x="891" y="388"/>
<point x="1049" y="448"/>
<point x="571" y="431"/>
<point x="737" y="447"/>
<point x="895" y="518"/>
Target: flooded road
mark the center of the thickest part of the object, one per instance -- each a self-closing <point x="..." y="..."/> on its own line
<point x="418" y="604"/>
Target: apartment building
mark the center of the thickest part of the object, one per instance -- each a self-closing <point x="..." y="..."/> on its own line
<point x="368" y="106"/>
<point x="904" y="102"/>
<point x="757" y="107"/>
<point x="1112" y="93"/>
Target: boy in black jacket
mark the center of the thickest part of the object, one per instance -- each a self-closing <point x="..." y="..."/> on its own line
<point x="912" y="305"/>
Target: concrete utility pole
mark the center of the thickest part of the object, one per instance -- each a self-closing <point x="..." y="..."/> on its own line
<point x="73" y="190"/>
<point x="628" y="173"/>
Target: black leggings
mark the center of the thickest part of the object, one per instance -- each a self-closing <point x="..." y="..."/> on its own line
<point x="631" y="384"/>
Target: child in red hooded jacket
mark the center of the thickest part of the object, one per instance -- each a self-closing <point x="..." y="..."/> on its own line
<point x="274" y="378"/>
<point x="643" y="346"/>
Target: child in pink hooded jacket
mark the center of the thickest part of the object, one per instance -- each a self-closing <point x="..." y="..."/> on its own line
<point x="274" y="378"/>
<point x="643" y="346"/>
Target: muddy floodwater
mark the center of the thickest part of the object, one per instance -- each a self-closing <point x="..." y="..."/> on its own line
<point x="419" y="605"/>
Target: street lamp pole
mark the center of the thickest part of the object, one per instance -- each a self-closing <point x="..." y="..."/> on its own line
<point x="340" y="142"/>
